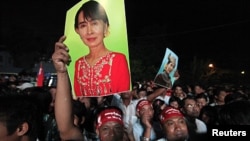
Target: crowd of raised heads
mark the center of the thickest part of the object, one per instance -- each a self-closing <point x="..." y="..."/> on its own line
<point x="145" y="112"/>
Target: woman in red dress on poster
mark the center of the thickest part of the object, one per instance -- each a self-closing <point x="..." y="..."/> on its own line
<point x="102" y="72"/>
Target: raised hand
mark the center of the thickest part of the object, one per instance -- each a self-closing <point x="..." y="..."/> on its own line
<point x="61" y="57"/>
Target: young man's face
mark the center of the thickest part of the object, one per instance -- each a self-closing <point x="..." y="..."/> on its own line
<point x="191" y="108"/>
<point x="176" y="129"/>
<point x="111" y="131"/>
<point x="146" y="111"/>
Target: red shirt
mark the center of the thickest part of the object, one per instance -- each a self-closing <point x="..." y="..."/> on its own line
<point x="109" y="75"/>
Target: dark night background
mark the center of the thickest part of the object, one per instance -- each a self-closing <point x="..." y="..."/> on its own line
<point x="208" y="31"/>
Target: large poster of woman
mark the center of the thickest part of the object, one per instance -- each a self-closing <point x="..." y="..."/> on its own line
<point x="166" y="74"/>
<point x="97" y="41"/>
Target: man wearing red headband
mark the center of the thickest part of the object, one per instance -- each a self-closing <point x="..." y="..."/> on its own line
<point x="143" y="128"/>
<point x="174" y="125"/>
<point x="109" y="124"/>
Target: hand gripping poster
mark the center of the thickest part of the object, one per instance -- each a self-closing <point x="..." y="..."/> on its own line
<point x="166" y="74"/>
<point x="96" y="36"/>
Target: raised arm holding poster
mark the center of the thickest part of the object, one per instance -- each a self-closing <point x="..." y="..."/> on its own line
<point x="96" y="36"/>
<point x="88" y="66"/>
<point x="166" y="74"/>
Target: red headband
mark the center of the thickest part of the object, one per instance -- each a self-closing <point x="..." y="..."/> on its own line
<point x="109" y="115"/>
<point x="142" y="103"/>
<point x="170" y="112"/>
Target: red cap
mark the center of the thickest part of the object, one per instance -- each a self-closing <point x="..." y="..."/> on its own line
<point x="142" y="103"/>
<point x="170" y="112"/>
<point x="109" y="115"/>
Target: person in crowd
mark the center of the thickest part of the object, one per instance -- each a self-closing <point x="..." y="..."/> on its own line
<point x="178" y="91"/>
<point x="96" y="73"/>
<point x="199" y="88"/>
<point x="20" y="117"/>
<point x="52" y="90"/>
<point x="142" y="92"/>
<point x="12" y="82"/>
<point x="135" y="87"/>
<point x="127" y="104"/>
<point x="91" y="104"/>
<point x="191" y="111"/>
<point x="209" y="115"/>
<point x="202" y="100"/>
<point x="234" y="97"/>
<point x="174" y="125"/>
<point x="174" y="102"/>
<point x="44" y="101"/>
<point x="110" y="126"/>
<point x="143" y="127"/>
<point x="210" y="93"/>
<point x="104" y="101"/>
<point x="158" y="106"/>
<point x="80" y="112"/>
<point x="149" y="88"/>
<point x="219" y="96"/>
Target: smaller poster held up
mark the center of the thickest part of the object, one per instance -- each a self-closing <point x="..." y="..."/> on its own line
<point x="167" y="73"/>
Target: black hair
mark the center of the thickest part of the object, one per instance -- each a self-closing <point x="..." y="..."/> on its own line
<point x="157" y="103"/>
<point x="211" y="112"/>
<point x="234" y="97"/>
<point x="16" y="109"/>
<point x="174" y="98"/>
<point x="79" y="108"/>
<point x="202" y="95"/>
<point x="92" y="10"/>
<point x="80" y="111"/>
<point x="42" y="96"/>
<point x="182" y="102"/>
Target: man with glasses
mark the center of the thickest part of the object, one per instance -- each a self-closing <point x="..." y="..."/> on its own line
<point x="191" y="111"/>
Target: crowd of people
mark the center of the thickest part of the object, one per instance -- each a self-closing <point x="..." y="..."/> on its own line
<point x="147" y="112"/>
<point x="105" y="111"/>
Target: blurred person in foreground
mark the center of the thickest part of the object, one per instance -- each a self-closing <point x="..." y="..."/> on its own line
<point x="20" y="118"/>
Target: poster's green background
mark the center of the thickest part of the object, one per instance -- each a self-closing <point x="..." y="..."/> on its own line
<point x="115" y="41"/>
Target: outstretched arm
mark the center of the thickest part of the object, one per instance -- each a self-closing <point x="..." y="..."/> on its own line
<point x="156" y="93"/>
<point x="63" y="100"/>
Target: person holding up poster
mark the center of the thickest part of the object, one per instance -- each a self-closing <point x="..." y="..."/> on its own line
<point x="101" y="72"/>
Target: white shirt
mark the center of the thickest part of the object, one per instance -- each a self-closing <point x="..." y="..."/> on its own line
<point x="201" y="126"/>
<point x="164" y="98"/>
<point x="129" y="112"/>
<point x="138" y="130"/>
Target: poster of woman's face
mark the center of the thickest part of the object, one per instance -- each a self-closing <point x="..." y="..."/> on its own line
<point x="165" y="76"/>
<point x="115" y="40"/>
